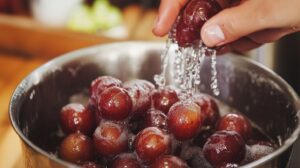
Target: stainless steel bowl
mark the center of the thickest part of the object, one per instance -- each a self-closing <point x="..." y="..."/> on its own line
<point x="245" y="85"/>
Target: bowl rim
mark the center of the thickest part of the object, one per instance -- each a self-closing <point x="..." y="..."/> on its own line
<point x="64" y="58"/>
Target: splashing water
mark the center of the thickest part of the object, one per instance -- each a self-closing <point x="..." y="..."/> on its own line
<point x="188" y="63"/>
<point x="161" y="79"/>
<point x="214" y="81"/>
<point x="186" y="66"/>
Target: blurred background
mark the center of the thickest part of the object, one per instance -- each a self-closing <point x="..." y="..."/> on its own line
<point x="34" y="31"/>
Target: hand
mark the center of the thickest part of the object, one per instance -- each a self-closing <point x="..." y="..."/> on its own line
<point x="242" y="27"/>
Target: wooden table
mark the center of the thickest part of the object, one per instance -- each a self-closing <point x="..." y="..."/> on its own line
<point x="23" y="36"/>
<point x="12" y="70"/>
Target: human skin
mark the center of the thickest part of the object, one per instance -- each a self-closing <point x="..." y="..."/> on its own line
<point x="239" y="27"/>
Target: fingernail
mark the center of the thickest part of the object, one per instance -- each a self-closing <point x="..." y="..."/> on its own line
<point x="214" y="35"/>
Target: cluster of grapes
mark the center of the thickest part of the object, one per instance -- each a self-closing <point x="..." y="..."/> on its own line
<point x="134" y="124"/>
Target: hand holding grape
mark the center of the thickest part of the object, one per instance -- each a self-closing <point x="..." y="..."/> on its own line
<point x="242" y="26"/>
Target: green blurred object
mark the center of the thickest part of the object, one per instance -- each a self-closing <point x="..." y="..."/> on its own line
<point x="106" y="15"/>
<point x="82" y="20"/>
<point x="100" y="16"/>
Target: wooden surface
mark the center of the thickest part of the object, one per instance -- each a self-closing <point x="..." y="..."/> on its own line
<point x="24" y="36"/>
<point x="12" y="70"/>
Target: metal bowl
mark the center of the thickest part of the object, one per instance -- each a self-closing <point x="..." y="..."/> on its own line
<point x="247" y="86"/>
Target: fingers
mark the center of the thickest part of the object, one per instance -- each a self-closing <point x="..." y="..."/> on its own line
<point x="167" y="14"/>
<point x="255" y="40"/>
<point x="236" y="22"/>
<point x="239" y="46"/>
<point x="244" y="44"/>
<point x="270" y="35"/>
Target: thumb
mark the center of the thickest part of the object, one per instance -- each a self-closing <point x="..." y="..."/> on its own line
<point x="233" y="23"/>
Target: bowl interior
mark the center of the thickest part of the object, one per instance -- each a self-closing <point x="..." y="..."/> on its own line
<point x="253" y="90"/>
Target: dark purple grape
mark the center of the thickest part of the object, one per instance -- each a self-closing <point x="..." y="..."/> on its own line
<point x="114" y="103"/>
<point x="235" y="122"/>
<point x="184" y="120"/>
<point x="140" y="93"/>
<point x="76" y="148"/>
<point x="99" y="85"/>
<point x="197" y="12"/>
<point x="186" y="36"/>
<point x="169" y="161"/>
<point x="163" y="99"/>
<point x="151" y="143"/>
<point x="224" y="147"/>
<point x="191" y="20"/>
<point x="209" y="109"/>
<point x="76" y="117"/>
<point x="110" y="139"/>
<point x="126" y="160"/>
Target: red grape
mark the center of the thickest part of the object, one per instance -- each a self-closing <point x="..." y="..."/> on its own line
<point x="76" y="117"/>
<point x="192" y="18"/>
<point x="209" y="109"/>
<point x="114" y="103"/>
<point x="110" y="139"/>
<point x="184" y="120"/>
<point x="99" y="85"/>
<point x="169" y="161"/>
<point x="235" y="122"/>
<point x="76" y="148"/>
<point x="197" y="12"/>
<point x="163" y="99"/>
<point x="185" y="36"/>
<point x="151" y="143"/>
<point x="224" y="147"/>
<point x="125" y="160"/>
<point x="140" y="93"/>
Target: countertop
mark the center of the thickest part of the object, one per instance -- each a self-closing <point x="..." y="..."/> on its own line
<point x="13" y="70"/>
